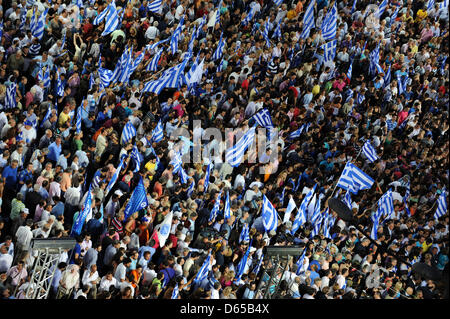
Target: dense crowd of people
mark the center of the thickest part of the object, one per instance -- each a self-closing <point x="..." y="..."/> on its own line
<point x="48" y="166"/>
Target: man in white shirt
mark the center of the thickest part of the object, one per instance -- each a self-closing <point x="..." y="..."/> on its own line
<point x="24" y="236"/>
<point x="107" y="281"/>
<point x="152" y="31"/>
<point x="121" y="270"/>
<point x="5" y="259"/>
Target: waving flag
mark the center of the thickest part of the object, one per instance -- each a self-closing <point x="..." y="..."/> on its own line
<point x="354" y="179"/>
<point x="112" y="19"/>
<point x="171" y="78"/>
<point x="219" y="50"/>
<point x="158" y="132"/>
<point x="215" y="210"/>
<point x="329" y="50"/>
<point x="242" y="264"/>
<point x="114" y="177"/>
<point x="78" y="224"/>
<point x="329" y="26"/>
<point x="175" y="36"/>
<point x="301" y="216"/>
<point x="263" y="118"/>
<point x="195" y="73"/>
<point x="38" y="30"/>
<point x="128" y="132"/>
<point x="78" y="121"/>
<point x="312" y="213"/>
<point x="235" y="153"/>
<point x="258" y="265"/>
<point x="381" y="9"/>
<point x="153" y="65"/>
<point x="208" y="172"/>
<point x="317" y="225"/>
<point x="248" y="17"/>
<point x="269" y="215"/>
<point x="46" y="116"/>
<point x="191" y="189"/>
<point x="387" y="77"/>
<point x="376" y="221"/>
<point x="203" y="272"/>
<point x="353" y="7"/>
<point x="245" y="233"/>
<point x="136" y="156"/>
<point x="300" y="261"/>
<point x="155" y="6"/>
<point x="370" y="152"/>
<point x="277" y="2"/>
<point x="100" y="17"/>
<point x="227" y="209"/>
<point x="442" y="205"/>
<point x="290" y="207"/>
<point x="394" y="15"/>
<point x="349" y="72"/>
<point x="138" y="200"/>
<point x="265" y="33"/>
<point x="386" y="204"/>
<point x="308" y="20"/>
<point x="10" y="98"/>
<point x="136" y="62"/>
<point x="277" y="32"/>
<point x="348" y="199"/>
<point x="175" y="292"/>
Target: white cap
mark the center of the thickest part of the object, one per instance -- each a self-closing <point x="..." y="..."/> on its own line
<point x="26" y="211"/>
<point x="118" y="192"/>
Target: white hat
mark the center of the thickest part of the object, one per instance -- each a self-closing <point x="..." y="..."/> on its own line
<point x="118" y="192"/>
<point x="26" y="211"/>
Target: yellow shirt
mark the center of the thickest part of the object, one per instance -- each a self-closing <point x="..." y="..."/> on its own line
<point x="291" y="14"/>
<point x="316" y="89"/>
<point x="63" y="118"/>
<point x="421" y="14"/>
<point x="149" y="167"/>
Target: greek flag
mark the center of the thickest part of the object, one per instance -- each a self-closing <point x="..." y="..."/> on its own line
<point x="443" y="4"/>
<point x="114" y="177"/>
<point x="112" y="19"/>
<point x="329" y="50"/>
<point x="327" y="224"/>
<point x="176" y="35"/>
<point x="191" y="42"/>
<point x="125" y="66"/>
<point x="136" y="156"/>
<point x="78" y="121"/>
<point x="370" y="152"/>
<point x="408" y="212"/>
<point x="263" y="118"/>
<point x="245" y="233"/>
<point x="386" y="204"/>
<point x="258" y="265"/>
<point x="226" y="209"/>
<point x="348" y="199"/>
<point x="23" y="18"/>
<point x="311" y="209"/>
<point x="387" y="77"/>
<point x="301" y="216"/>
<point x="242" y="264"/>
<point x="175" y="292"/>
<point x="278" y="2"/>
<point x="298" y="131"/>
<point x="59" y="85"/>
<point x="235" y="153"/>
<point x="38" y="28"/>
<point x="290" y="207"/>
<point x="158" y="132"/>
<point x="153" y="46"/>
<point x="128" y="132"/>
<point x="316" y="214"/>
<point x="105" y="76"/>
<point x="100" y="17"/>
<point x="349" y="72"/>
<point x="171" y="78"/>
<point x="203" y="272"/>
<point x="215" y="210"/>
<point x="191" y="189"/>
<point x="329" y="26"/>
<point x="376" y="222"/>
<point x="401" y="83"/>
<point x="277" y="32"/>
<point x="308" y="20"/>
<point x="300" y="261"/>
<point x="317" y="225"/>
<point x="265" y="34"/>
<point x="138" y="200"/>
<point x="78" y="224"/>
<point x="248" y="17"/>
<point x="46" y="116"/>
<point x="195" y="73"/>
<point x="269" y="215"/>
<point x="63" y="42"/>
<point x="354" y="179"/>
<point x="10" y="98"/>
<point x="394" y="15"/>
<point x="381" y="9"/>
<point x="442" y="205"/>
<point x="218" y="13"/>
<point x="153" y="65"/>
<point x="374" y="58"/>
<point x="219" y="50"/>
<point x="281" y="196"/>
<point x="208" y="172"/>
<point x="136" y="62"/>
<point x="155" y="6"/>
<point x="163" y="229"/>
<point x="408" y="191"/>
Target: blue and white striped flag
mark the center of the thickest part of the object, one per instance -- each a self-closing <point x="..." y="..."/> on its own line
<point x="391" y="125"/>
<point x="136" y="62"/>
<point x="386" y="204"/>
<point x="105" y="76"/>
<point x="153" y="46"/>
<point x="158" y="132"/>
<point x="128" y="132"/>
<point x="301" y="216"/>
<point x="138" y="200"/>
<point x="277" y="32"/>
<point x="78" y="121"/>
<point x="269" y="215"/>
<point x="115" y="176"/>
<point x="218" y="13"/>
<point x="227" y="209"/>
<point x="248" y="17"/>
<point x="208" y="173"/>
<point x="353" y="7"/>
<point x="443" y="4"/>
<point x="38" y="30"/>
<point x="153" y="65"/>
<point x="348" y="199"/>
<point x="381" y="9"/>
<point x="245" y="233"/>
<point x="215" y="210"/>
<point x="242" y="264"/>
<point x="10" y="98"/>
<point x="376" y="222"/>
<point x="277" y="2"/>
<point x="194" y="75"/>
<point x="59" y="84"/>
<point x="23" y="19"/>
<point x="329" y="26"/>
<point x="204" y="270"/>
<point x="308" y="20"/>
<point x="155" y="6"/>
<point x="370" y="152"/>
<point x="387" y="77"/>
<point x="329" y="50"/>
<point x="112" y="19"/>
<point x="349" y="72"/>
<point x="219" y="50"/>
<point x="191" y="189"/>
<point x="442" y="205"/>
<point x="290" y="207"/>
<point x="176" y="36"/>
<point x="100" y="17"/>
<point x="354" y="179"/>
<point x="175" y="292"/>
<point x="78" y="224"/>
<point x="136" y="156"/>
<point x="63" y="42"/>
<point x="402" y="81"/>
<point x="46" y="116"/>
<point x="281" y="196"/>
<point x="171" y="78"/>
<point x="265" y="33"/>
<point x="263" y="118"/>
<point x="394" y="15"/>
<point x="299" y="131"/>
<point x="316" y="214"/>
<point x="300" y="261"/>
<point x="258" y="265"/>
<point x="317" y="225"/>
<point x="234" y="154"/>
<point x="374" y="59"/>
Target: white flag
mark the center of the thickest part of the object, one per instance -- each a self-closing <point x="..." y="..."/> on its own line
<point x="164" y="229"/>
